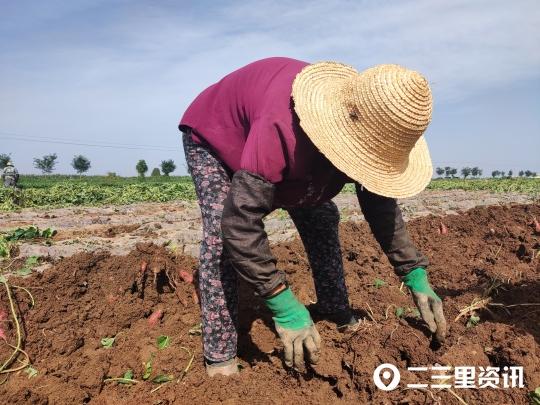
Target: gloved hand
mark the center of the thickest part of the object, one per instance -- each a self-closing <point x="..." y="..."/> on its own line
<point x="428" y="303"/>
<point x="295" y="328"/>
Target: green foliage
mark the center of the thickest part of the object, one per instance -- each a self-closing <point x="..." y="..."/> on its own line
<point x="29" y="264"/>
<point x="4" y="159"/>
<point x="402" y="312"/>
<point x="535" y="396"/>
<point x="163" y="378"/>
<point x="163" y="342"/>
<point x="127" y="377"/>
<point x="513" y="185"/>
<point x="80" y="163"/>
<point x="472" y="321"/>
<point x="155" y="172"/>
<point x="141" y="167"/>
<point x="378" y="283"/>
<point x="82" y="193"/>
<point x="466" y="171"/>
<point x="62" y="191"/>
<point x="31" y="371"/>
<point x="107" y="342"/>
<point x="168" y="166"/>
<point x="46" y="163"/>
<point x="31" y="232"/>
<point x="8" y="239"/>
<point x="148" y="368"/>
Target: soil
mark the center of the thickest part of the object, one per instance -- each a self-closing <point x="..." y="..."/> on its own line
<point x="91" y="295"/>
<point x="118" y="229"/>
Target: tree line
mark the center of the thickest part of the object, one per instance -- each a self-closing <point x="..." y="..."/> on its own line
<point x="82" y="164"/>
<point x="475" y="172"/>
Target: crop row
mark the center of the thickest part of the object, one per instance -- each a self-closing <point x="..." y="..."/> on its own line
<point x="77" y="192"/>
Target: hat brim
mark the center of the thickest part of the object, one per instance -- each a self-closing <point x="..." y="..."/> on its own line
<point x="324" y="119"/>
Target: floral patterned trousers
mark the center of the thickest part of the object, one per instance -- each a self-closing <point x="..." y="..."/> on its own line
<point x="317" y="226"/>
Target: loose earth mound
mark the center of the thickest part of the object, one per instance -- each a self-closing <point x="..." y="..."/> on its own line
<point x="489" y="254"/>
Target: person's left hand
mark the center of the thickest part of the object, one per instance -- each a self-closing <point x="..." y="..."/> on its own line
<point x="429" y="304"/>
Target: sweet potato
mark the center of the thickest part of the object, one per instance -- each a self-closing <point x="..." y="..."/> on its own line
<point x="153" y="319"/>
<point x="443" y="230"/>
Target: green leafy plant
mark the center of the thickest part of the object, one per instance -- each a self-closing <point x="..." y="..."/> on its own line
<point x="163" y="378"/>
<point x="31" y="371"/>
<point x="401" y="312"/>
<point x="472" y="321"/>
<point x="163" y="342"/>
<point x="29" y="264"/>
<point x="148" y="368"/>
<point x="535" y="396"/>
<point x="127" y="378"/>
<point x="107" y="342"/>
<point x="31" y="232"/>
<point x="378" y="283"/>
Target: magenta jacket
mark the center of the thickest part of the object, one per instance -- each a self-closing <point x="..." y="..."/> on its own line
<point x="248" y="120"/>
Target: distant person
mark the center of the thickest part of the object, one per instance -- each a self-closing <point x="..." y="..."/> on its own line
<point x="10" y="175"/>
<point x="281" y="133"/>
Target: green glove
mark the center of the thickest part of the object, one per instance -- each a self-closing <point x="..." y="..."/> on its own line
<point x="295" y="328"/>
<point x="289" y="313"/>
<point x="417" y="281"/>
<point x="429" y="304"/>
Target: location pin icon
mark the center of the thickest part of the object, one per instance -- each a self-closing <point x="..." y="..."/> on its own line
<point x="387" y="371"/>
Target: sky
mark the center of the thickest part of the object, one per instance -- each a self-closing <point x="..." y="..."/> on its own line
<point x="110" y="79"/>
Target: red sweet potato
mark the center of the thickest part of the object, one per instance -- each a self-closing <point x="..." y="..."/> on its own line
<point x="153" y="319"/>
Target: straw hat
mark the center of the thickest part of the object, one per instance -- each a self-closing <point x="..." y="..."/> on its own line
<point x="368" y="124"/>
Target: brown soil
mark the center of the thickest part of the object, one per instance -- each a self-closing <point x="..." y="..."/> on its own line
<point x="90" y="296"/>
<point x="110" y="231"/>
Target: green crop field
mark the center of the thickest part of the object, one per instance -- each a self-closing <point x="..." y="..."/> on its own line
<point x="60" y="191"/>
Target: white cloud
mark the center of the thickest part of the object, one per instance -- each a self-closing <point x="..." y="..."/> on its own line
<point x="129" y="68"/>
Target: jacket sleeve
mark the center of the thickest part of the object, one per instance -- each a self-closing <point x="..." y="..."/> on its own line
<point x="384" y="218"/>
<point x="249" y="200"/>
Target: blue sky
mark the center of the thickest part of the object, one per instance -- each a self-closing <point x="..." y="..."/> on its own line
<point x="119" y="74"/>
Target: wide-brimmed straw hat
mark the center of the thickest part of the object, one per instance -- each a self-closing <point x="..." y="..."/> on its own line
<point x="368" y="124"/>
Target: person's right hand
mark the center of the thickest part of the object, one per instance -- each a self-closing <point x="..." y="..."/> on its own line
<point x="295" y="329"/>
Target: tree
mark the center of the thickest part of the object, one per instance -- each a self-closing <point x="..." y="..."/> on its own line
<point x="80" y="163"/>
<point x="4" y="159"/>
<point x="495" y="173"/>
<point x="480" y="171"/>
<point x="448" y="171"/>
<point x="510" y="173"/>
<point x="439" y="171"/>
<point x="466" y="171"/>
<point x="155" y="172"/>
<point x="168" y="166"/>
<point x="521" y="173"/>
<point x="503" y="174"/>
<point x="46" y="163"/>
<point x="476" y="171"/>
<point x="141" y="167"/>
<point x="453" y="172"/>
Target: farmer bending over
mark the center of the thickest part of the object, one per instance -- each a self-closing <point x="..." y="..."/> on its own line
<point x="281" y="133"/>
<point x="10" y="175"/>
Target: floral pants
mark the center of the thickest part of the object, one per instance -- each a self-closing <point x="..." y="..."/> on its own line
<point x="317" y="226"/>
